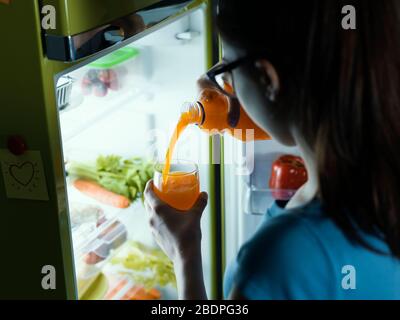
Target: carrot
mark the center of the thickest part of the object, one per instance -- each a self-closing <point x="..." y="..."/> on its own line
<point x="140" y="293"/>
<point x="113" y="292"/>
<point x="154" y="293"/>
<point x="95" y="191"/>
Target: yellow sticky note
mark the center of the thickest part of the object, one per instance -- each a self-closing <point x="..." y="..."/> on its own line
<point x="23" y="175"/>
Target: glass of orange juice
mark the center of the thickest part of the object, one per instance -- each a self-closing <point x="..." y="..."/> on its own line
<point x="180" y="187"/>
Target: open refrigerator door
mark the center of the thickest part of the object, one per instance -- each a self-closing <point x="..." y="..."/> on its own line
<point x="256" y="174"/>
<point x="116" y="116"/>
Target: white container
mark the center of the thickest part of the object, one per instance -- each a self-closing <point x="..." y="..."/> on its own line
<point x="116" y="235"/>
<point x="123" y="69"/>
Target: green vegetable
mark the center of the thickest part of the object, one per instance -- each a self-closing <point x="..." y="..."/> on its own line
<point x="126" y="177"/>
<point x="147" y="266"/>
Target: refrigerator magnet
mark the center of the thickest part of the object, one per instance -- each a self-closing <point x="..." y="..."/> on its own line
<point x="23" y="175"/>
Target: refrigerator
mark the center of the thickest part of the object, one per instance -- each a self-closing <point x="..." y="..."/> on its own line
<point x="100" y="88"/>
<point x="94" y="85"/>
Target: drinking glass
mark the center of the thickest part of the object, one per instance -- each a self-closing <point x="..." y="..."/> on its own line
<point x="180" y="188"/>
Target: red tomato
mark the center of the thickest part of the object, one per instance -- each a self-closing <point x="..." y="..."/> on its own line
<point x="288" y="174"/>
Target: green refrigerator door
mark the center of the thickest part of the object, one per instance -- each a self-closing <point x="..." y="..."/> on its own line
<point x="34" y="229"/>
<point x="76" y="29"/>
<point x="77" y="16"/>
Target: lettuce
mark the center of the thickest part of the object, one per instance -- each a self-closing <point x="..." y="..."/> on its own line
<point x="126" y="177"/>
<point x="146" y="266"/>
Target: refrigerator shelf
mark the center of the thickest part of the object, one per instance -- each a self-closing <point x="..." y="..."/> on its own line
<point x="258" y="200"/>
<point x="91" y="111"/>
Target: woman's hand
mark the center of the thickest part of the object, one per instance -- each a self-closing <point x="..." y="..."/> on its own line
<point x="177" y="233"/>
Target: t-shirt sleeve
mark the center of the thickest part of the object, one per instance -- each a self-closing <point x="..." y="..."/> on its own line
<point x="284" y="260"/>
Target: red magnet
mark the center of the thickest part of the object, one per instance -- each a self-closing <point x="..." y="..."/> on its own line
<point x="16" y="145"/>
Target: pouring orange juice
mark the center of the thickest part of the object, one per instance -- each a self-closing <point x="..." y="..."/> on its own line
<point x="178" y="185"/>
<point x="178" y="188"/>
<point x="181" y="186"/>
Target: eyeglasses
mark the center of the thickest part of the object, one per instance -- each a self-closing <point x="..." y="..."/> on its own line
<point x="221" y="74"/>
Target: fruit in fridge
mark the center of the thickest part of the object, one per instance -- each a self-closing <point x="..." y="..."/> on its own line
<point x="288" y="174"/>
<point x="99" y="82"/>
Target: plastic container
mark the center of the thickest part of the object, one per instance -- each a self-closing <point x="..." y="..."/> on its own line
<point x="98" y="249"/>
<point x="86" y="221"/>
<point x="115" y="235"/>
<point x="63" y="92"/>
<point x="81" y="213"/>
<point x="97" y="252"/>
<point x="111" y="73"/>
<point x="93" y="257"/>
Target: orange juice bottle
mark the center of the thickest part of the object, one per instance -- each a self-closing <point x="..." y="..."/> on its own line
<point x="210" y="113"/>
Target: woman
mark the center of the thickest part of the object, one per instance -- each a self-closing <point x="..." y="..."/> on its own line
<point x="335" y="94"/>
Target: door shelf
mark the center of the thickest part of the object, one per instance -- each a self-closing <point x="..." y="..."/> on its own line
<point x="258" y="201"/>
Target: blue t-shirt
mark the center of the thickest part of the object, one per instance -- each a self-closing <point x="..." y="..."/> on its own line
<point x="302" y="254"/>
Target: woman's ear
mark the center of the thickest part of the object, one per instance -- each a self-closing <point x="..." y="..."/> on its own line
<point x="269" y="78"/>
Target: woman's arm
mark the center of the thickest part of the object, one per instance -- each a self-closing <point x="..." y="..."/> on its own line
<point x="189" y="274"/>
<point x="179" y="235"/>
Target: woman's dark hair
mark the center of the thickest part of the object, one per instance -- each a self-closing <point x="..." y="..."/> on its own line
<point x="343" y="91"/>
